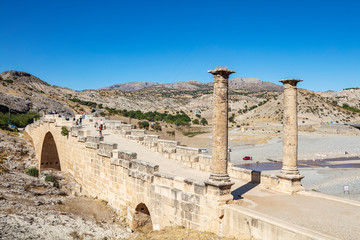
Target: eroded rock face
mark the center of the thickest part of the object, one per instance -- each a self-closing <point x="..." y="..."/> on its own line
<point x="22" y="92"/>
<point x="45" y="104"/>
<point x="16" y="103"/>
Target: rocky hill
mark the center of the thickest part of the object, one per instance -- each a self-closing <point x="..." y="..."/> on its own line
<point x="22" y="92"/>
<point x="312" y="109"/>
<point x="350" y="96"/>
<point x="131" y="86"/>
<point x="251" y="101"/>
<point x="251" y="84"/>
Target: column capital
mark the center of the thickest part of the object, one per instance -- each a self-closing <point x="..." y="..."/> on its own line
<point x="223" y="71"/>
<point x="291" y="81"/>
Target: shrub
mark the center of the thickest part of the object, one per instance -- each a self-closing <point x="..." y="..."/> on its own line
<point x="34" y="172"/>
<point x="64" y="131"/>
<point x="156" y="127"/>
<point x="196" y="121"/>
<point x="204" y="122"/>
<point x="51" y="178"/>
<point x="143" y="124"/>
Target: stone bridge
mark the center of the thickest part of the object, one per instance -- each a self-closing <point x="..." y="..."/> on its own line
<point x="135" y="187"/>
<point x="155" y="183"/>
<point x="175" y="191"/>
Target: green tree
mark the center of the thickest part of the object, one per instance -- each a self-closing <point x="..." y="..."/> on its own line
<point x="156" y="127"/>
<point x="196" y="121"/>
<point x="204" y="121"/>
<point x="143" y="124"/>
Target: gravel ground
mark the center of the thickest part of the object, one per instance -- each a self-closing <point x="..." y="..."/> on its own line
<point x="311" y="146"/>
<point x="332" y="181"/>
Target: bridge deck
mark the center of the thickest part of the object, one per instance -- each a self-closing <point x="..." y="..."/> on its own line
<point x="332" y="216"/>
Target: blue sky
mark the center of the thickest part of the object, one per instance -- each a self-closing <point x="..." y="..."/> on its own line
<point x="94" y="44"/>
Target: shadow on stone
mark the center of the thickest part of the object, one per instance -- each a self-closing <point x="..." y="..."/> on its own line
<point x="255" y="180"/>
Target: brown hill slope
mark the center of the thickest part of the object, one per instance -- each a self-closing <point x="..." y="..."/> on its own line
<point x="22" y="92"/>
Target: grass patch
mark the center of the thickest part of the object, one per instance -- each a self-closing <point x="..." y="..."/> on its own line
<point x="52" y="178"/>
<point x="193" y="134"/>
<point x="34" y="172"/>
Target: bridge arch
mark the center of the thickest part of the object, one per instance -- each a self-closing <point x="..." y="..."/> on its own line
<point x="142" y="219"/>
<point x="49" y="153"/>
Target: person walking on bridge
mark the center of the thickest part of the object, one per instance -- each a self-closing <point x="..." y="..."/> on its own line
<point x="100" y="130"/>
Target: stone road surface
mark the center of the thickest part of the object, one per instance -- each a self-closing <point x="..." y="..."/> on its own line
<point x="335" y="217"/>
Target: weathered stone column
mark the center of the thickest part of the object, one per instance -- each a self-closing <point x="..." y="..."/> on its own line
<point x="220" y="125"/>
<point x="290" y="177"/>
<point x="219" y="184"/>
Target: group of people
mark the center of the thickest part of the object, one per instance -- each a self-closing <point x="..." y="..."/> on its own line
<point x="78" y="121"/>
<point x="100" y="127"/>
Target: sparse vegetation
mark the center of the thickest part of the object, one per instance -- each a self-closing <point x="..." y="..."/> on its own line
<point x="52" y="178"/>
<point x="231" y="119"/>
<point x="352" y="109"/>
<point x="156" y="127"/>
<point x="193" y="134"/>
<point x="64" y="131"/>
<point x="34" y="172"/>
<point x="196" y="121"/>
<point x="180" y="119"/>
<point x="204" y="121"/>
<point x="143" y="124"/>
<point x="18" y="119"/>
<point x="86" y="103"/>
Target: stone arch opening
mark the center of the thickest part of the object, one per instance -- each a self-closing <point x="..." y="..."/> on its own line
<point x="49" y="153"/>
<point x="142" y="219"/>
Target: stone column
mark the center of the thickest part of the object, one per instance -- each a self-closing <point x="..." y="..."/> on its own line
<point x="289" y="176"/>
<point x="219" y="184"/>
<point x="220" y="125"/>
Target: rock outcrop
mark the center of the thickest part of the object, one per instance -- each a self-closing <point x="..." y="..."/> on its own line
<point x="22" y="92"/>
<point x="17" y="104"/>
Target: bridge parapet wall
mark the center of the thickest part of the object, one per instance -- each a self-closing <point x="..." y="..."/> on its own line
<point x="105" y="149"/>
<point x="93" y="141"/>
<point x="151" y="141"/>
<point x="113" y="124"/>
<point x="82" y="135"/>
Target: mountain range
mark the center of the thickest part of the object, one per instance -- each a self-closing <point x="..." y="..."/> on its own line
<point x="251" y="84"/>
<point x="251" y="101"/>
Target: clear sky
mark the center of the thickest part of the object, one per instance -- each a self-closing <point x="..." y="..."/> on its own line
<point x="94" y="44"/>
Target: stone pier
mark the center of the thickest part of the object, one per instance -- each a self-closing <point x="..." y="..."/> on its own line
<point x="290" y="178"/>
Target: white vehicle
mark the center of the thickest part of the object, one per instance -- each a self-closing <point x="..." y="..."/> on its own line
<point x="204" y="150"/>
